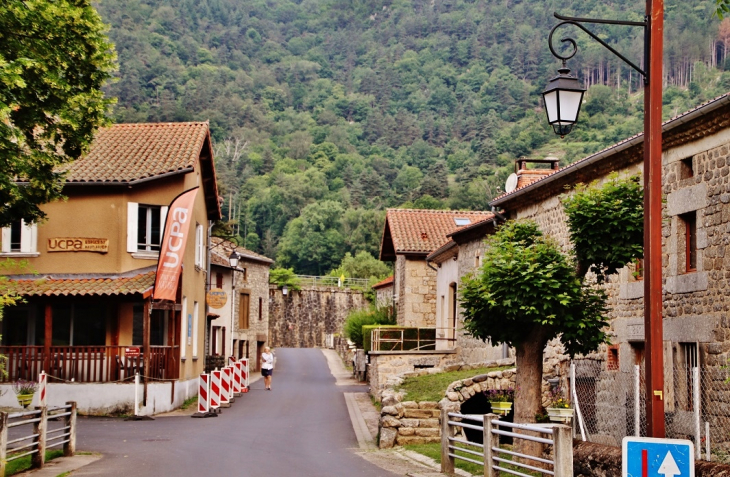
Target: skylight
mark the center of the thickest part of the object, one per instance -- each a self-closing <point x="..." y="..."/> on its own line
<point x="461" y="221"/>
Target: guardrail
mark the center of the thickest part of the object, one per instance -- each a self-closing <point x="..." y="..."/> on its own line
<point x="36" y="443"/>
<point x="311" y="280"/>
<point x="492" y="457"/>
<point x="403" y="338"/>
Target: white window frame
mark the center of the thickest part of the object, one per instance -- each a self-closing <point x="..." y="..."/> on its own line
<point x="133" y="209"/>
<point x="199" y="246"/>
<point x="28" y="241"/>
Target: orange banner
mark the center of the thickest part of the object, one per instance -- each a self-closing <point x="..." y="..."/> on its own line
<point x="177" y="229"/>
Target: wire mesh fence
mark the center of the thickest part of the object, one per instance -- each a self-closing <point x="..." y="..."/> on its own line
<point x="696" y="405"/>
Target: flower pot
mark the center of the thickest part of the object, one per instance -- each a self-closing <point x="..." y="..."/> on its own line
<point x="502" y="408"/>
<point x="560" y="414"/>
<point x="24" y="399"/>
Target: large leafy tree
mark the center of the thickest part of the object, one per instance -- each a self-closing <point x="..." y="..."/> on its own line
<point x="54" y="59"/>
<point x="526" y="293"/>
<point x="606" y="223"/>
<point x="313" y="243"/>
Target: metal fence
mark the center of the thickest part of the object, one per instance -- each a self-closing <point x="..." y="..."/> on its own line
<point x="311" y="280"/>
<point x="15" y="445"/>
<point x="611" y="405"/>
<point x="496" y="459"/>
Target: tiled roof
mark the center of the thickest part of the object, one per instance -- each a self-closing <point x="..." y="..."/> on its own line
<point x="222" y="249"/>
<point x="384" y="283"/>
<point x="127" y="284"/>
<point x="444" y="252"/>
<point x="677" y="121"/>
<point x="421" y="231"/>
<point x="130" y="152"/>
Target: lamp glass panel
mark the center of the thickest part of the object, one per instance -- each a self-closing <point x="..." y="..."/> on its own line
<point x="570" y="105"/>
<point x="551" y="105"/>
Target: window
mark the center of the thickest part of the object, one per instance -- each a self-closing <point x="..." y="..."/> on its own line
<point x="144" y="227"/>
<point x="686" y="170"/>
<point x="689" y="223"/>
<point x="461" y="221"/>
<point x="639" y="269"/>
<point x="261" y="309"/>
<point x="158" y="326"/>
<point x="687" y="360"/>
<point x="199" y="246"/>
<point x="612" y="362"/>
<point x="219" y="280"/>
<point x="79" y="325"/>
<point x="243" y="311"/>
<point x="20" y="239"/>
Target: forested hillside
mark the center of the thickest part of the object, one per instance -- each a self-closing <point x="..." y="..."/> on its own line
<point x="325" y="112"/>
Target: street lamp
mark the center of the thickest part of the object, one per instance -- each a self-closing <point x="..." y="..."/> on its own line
<point x="653" y="26"/>
<point x="563" y="98"/>
<point x="234" y="258"/>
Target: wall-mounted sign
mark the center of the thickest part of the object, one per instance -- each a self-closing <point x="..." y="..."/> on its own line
<point x="78" y="244"/>
<point x="190" y="329"/>
<point x="216" y="298"/>
<point x="131" y="352"/>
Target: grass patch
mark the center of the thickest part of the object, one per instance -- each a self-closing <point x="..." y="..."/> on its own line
<point x="434" y="452"/>
<point x="378" y="405"/>
<point x="188" y="402"/>
<point x="21" y="465"/>
<point x="432" y="387"/>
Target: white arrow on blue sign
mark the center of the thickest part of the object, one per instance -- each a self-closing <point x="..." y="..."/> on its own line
<point x="647" y="457"/>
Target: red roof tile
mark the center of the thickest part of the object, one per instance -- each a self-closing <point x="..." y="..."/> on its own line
<point x="384" y="283"/>
<point x="141" y="283"/>
<point x="421" y="231"/>
<point x="130" y="152"/>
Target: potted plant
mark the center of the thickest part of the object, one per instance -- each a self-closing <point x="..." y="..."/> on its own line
<point x="24" y="391"/>
<point x="558" y="407"/>
<point x="500" y="400"/>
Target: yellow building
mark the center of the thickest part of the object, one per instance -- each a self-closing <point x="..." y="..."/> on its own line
<point x="87" y="272"/>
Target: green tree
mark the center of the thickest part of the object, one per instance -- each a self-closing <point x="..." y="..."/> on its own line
<point x="362" y="265"/>
<point x="606" y="223"/>
<point x="525" y="294"/>
<point x="54" y="59"/>
<point x="313" y="242"/>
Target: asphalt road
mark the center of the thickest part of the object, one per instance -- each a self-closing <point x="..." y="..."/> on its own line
<point x="300" y="428"/>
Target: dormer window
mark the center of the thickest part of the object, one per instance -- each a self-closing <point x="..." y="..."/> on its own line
<point x="461" y="221"/>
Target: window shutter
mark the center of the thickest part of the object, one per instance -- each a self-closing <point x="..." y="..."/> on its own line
<point x="6" y="240"/>
<point x="27" y="238"/>
<point x="132" y="211"/>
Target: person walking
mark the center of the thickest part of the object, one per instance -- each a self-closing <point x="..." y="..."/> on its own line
<point x="267" y="367"/>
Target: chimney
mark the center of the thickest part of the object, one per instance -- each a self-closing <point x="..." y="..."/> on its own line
<point x="527" y="176"/>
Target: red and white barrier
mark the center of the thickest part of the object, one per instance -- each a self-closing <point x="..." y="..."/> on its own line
<point x="42" y="385"/>
<point x="225" y="387"/>
<point x="244" y="375"/>
<point x="215" y="389"/>
<point x="237" y="378"/>
<point x="204" y="393"/>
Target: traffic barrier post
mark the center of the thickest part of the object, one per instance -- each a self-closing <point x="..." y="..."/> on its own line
<point x="42" y="387"/>
<point x="215" y="390"/>
<point x="237" y="378"/>
<point x="225" y="387"/>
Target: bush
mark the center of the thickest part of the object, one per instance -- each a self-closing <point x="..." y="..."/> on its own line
<point x="356" y="320"/>
<point x="284" y="277"/>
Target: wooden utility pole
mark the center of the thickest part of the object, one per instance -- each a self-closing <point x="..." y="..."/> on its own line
<point x="653" y="325"/>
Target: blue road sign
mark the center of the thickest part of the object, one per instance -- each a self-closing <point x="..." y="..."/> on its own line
<point x="647" y="457"/>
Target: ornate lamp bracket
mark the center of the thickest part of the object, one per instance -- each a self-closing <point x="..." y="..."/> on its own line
<point x="578" y="22"/>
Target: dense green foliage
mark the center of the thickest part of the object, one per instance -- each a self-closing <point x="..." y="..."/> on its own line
<point x="284" y="277"/>
<point x="357" y="319"/>
<point x="383" y="103"/>
<point x="606" y="223"/>
<point x="526" y="283"/>
<point x="362" y="265"/>
<point x="54" y="59"/>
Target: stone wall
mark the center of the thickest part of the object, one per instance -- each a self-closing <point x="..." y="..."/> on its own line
<point x="302" y="318"/>
<point x="416" y="288"/>
<point x="387" y="368"/>
<point x="411" y="422"/>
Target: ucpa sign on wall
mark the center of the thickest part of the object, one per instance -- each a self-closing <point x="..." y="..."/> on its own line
<point x="177" y="229"/>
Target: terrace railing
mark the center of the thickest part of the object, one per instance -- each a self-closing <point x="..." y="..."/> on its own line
<point x="87" y="364"/>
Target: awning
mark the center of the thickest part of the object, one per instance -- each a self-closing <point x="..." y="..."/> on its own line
<point x="83" y="285"/>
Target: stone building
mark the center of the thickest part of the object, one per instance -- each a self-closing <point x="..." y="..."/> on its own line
<point x="696" y="186"/>
<point x="240" y="326"/>
<point x="408" y="237"/>
<point x="384" y="292"/>
<point x="459" y="256"/>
